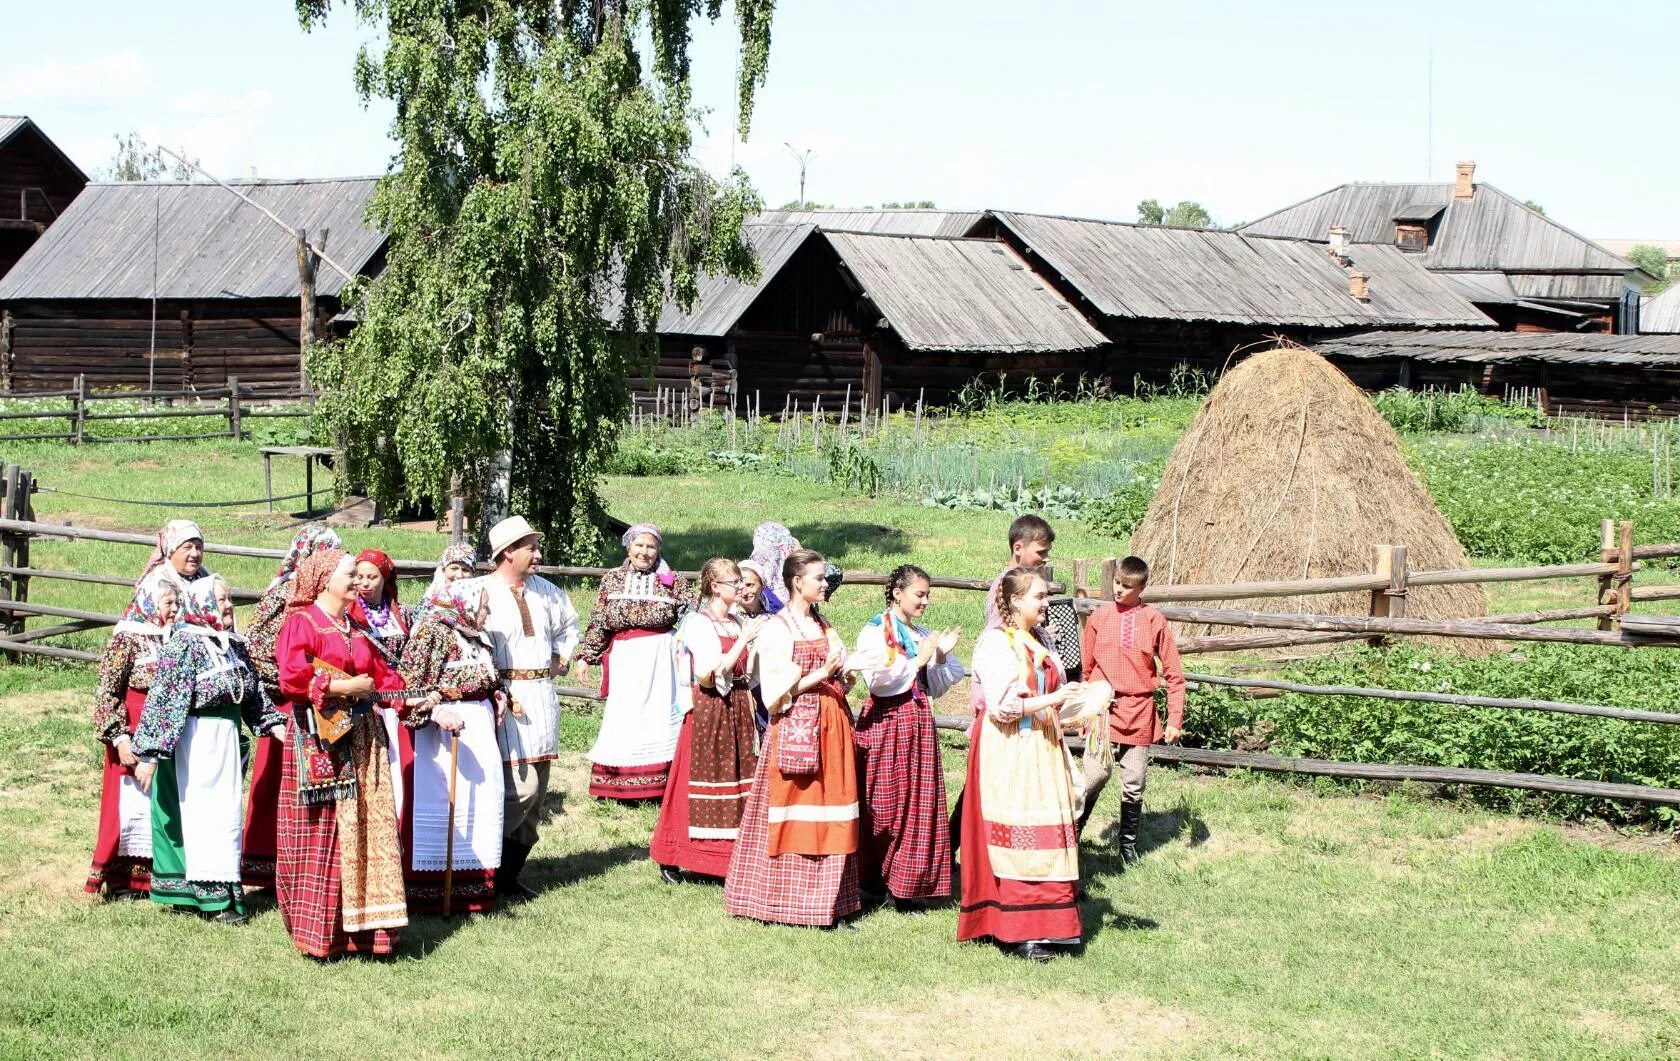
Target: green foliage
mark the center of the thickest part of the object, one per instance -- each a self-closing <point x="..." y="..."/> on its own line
<point x="1358" y="729"/>
<point x="1118" y="514"/>
<point x="1187" y="214"/>
<point x="1654" y="260"/>
<point x="1532" y="205"/>
<point x="134" y="160"/>
<point x="910" y="204"/>
<point x="851" y="466"/>
<point x="1059" y="502"/>
<point x="641" y="455"/>
<point x="795" y="204"/>
<point x="544" y="172"/>
<point x="1460" y="410"/>
<point x="1535" y="501"/>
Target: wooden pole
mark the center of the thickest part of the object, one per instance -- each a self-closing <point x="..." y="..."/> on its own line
<point x="307" y="259"/>
<point x="1624" y="569"/>
<point x="1382" y="568"/>
<point x="6" y="351"/>
<point x="1606" y="582"/>
<point x="188" y="380"/>
<point x="8" y="544"/>
<point x="79" y="404"/>
<point x="1473" y="629"/>
<point x="1105" y="576"/>
<point x="20" y="554"/>
<point x="449" y="840"/>
<point x="234" y="427"/>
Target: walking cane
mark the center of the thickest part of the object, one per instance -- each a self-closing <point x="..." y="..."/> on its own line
<point x="449" y="843"/>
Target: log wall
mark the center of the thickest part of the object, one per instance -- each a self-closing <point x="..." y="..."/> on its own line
<point x="199" y="344"/>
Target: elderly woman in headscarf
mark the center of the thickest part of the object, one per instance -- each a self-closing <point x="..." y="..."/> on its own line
<point x="339" y="874"/>
<point x="122" y="850"/>
<point x="450" y="657"/>
<point x="191" y="751"/>
<point x="257" y="859"/>
<point x="632" y="634"/>
<point x="772" y="545"/>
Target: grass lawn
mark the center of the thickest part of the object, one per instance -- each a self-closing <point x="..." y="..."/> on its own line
<point x="1265" y="920"/>
<point x="1268" y="918"/>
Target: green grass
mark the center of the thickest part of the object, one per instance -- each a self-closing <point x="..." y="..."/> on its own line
<point x="1269" y="918"/>
<point x="1265" y="920"/>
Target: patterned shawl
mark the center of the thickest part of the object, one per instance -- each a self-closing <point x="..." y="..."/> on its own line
<point x="313" y="537"/>
<point x="312" y="577"/>
<point x="772" y="545"/>
<point x="459" y="553"/>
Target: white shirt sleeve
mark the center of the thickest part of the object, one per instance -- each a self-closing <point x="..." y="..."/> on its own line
<point x="564" y="623"/>
<point x="997" y="673"/>
<point x="892" y="679"/>
<point x="705" y="650"/>
<point x="777" y="673"/>
<point x="939" y="677"/>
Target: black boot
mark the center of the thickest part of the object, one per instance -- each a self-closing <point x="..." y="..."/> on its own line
<point x="1131" y="816"/>
<point x="508" y="885"/>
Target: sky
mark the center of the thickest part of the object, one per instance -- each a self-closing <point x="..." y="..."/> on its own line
<point x="1054" y="106"/>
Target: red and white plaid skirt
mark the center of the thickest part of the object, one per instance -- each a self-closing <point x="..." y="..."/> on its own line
<point x="906" y="841"/>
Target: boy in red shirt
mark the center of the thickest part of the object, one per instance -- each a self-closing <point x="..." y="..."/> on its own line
<point x="1129" y="645"/>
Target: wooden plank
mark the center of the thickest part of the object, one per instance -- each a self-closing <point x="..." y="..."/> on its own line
<point x="1465" y="628"/>
<point x="1406" y="696"/>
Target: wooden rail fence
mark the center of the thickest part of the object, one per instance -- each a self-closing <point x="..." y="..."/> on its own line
<point x="237" y="404"/>
<point x="1093" y="582"/>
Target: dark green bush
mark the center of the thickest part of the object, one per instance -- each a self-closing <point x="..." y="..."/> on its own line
<point x="1358" y="729"/>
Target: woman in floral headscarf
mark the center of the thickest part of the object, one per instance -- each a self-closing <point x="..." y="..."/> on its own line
<point x="632" y="635"/>
<point x="378" y="611"/>
<point x="772" y="545"/>
<point x="339" y="874"/>
<point x="191" y="751"/>
<point x="450" y="656"/>
<point x="122" y="852"/>
<point x="257" y="859"/>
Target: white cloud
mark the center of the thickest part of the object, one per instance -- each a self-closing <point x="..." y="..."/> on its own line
<point x="121" y="76"/>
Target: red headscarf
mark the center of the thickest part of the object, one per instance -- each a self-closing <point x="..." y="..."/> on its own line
<point x="387" y="571"/>
<point x="312" y="577"/>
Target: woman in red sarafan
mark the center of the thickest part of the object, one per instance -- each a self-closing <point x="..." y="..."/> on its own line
<point x="1020" y="855"/>
<point x="712" y="771"/>
<point x="256" y="861"/>
<point x="339" y="872"/>
<point x="906" y="850"/>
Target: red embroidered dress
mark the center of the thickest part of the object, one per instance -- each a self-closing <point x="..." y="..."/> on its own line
<point x="122" y="850"/>
<point x="713" y="769"/>
<point x="1020" y="853"/>
<point x="339" y="872"/>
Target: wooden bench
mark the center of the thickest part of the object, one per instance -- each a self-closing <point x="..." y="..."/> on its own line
<point x="310" y="455"/>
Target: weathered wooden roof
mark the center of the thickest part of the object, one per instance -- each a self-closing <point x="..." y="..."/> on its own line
<point x="1163" y="273"/>
<point x="961" y="295"/>
<point x="208" y="243"/>
<point x="1503" y="347"/>
<point x="1489" y="231"/>
<point x="886" y="222"/>
<point x="1661" y="313"/>
<point x="14" y="124"/>
<point x="724" y="299"/>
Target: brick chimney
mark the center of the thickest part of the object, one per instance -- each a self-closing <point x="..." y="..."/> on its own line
<point x="1339" y="244"/>
<point x="1359" y="286"/>
<point x="1465" y="188"/>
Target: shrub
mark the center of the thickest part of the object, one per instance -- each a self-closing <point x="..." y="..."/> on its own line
<point x="1439" y="410"/>
<point x="643" y="455"/>
<point x="1358" y="729"/>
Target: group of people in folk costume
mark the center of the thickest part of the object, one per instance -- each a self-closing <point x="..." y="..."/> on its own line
<point x="402" y="754"/>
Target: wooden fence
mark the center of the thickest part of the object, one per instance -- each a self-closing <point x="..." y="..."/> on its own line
<point x="1387" y="583"/>
<point x="234" y="406"/>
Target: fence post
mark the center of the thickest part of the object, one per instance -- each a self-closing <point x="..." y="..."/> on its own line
<point x="6" y="351"/>
<point x="1624" y="570"/>
<point x="234" y="427"/>
<point x="78" y="429"/>
<point x="1382" y="566"/>
<point x="8" y="548"/>
<point x="1105" y="587"/>
<point x="1606" y="583"/>
<point x="20" y="552"/>
<point x="1398" y="576"/>
<point x="457" y="511"/>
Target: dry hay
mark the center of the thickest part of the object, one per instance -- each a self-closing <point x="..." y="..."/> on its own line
<point x="1288" y="471"/>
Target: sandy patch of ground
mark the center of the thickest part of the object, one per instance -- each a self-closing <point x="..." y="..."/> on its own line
<point x="979" y="1023"/>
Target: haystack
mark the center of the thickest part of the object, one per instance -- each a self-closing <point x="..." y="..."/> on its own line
<point x="1288" y="471"/>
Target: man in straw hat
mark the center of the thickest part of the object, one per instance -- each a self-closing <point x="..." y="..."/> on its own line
<point x="533" y="630"/>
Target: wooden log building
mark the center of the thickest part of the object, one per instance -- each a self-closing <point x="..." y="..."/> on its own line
<point x="179" y="285"/>
<point x="1524" y="269"/>
<point x="37" y="184"/>
<point x="1616" y="376"/>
